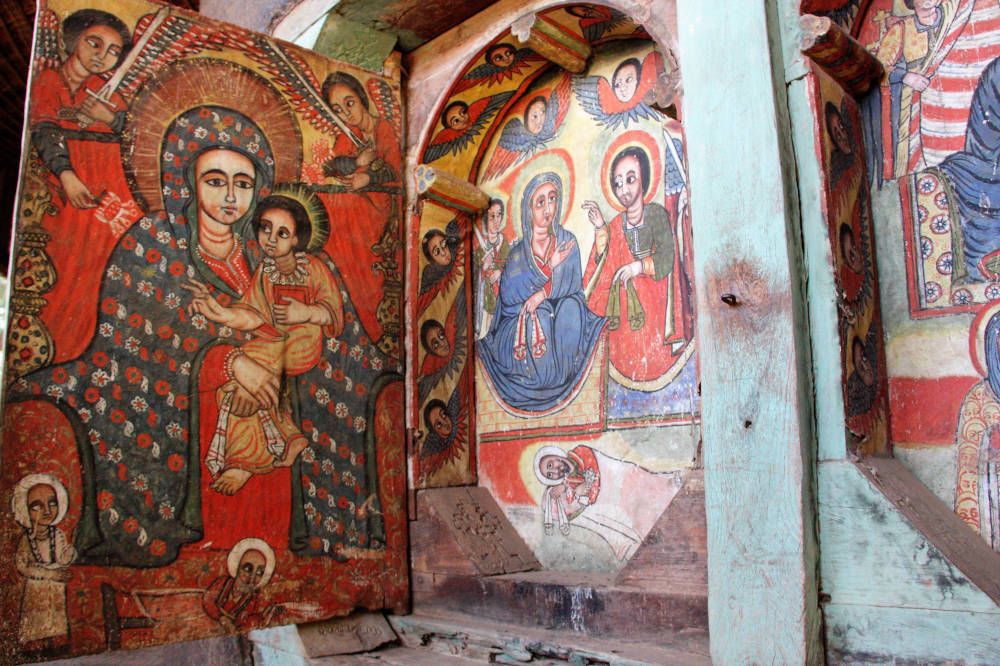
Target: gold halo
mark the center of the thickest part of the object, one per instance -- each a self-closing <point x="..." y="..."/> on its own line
<point x="187" y="84"/>
<point x="318" y="216"/>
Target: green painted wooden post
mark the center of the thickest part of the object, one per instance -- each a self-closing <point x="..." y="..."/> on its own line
<point x="755" y="367"/>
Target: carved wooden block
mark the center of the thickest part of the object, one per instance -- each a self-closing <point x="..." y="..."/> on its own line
<point x="360" y="632"/>
<point x="840" y="55"/>
<point x="462" y="530"/>
<point x="449" y="190"/>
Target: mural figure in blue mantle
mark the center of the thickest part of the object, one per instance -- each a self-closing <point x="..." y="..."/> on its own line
<point x="974" y="174"/>
<point x="543" y="336"/>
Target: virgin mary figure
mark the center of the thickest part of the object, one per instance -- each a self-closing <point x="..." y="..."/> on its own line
<point x="541" y="341"/>
<point x="143" y="394"/>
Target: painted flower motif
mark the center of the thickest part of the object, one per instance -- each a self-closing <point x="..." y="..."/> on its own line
<point x="225" y="137"/>
<point x="162" y="237"/>
<point x="157" y="548"/>
<point x="85" y="414"/>
<point x="944" y="264"/>
<point x="926" y="247"/>
<point x="225" y="332"/>
<point x="200" y="132"/>
<point x="140" y="483"/>
<point x="961" y="297"/>
<point x="340" y="410"/>
<point x="166" y="510"/>
<point x="308" y="455"/>
<point x="168" y="156"/>
<point x="922" y="214"/>
<point x="114" y="272"/>
<point x="139" y="404"/>
<point x="326" y="466"/>
<point x="927" y="184"/>
<point x="333" y="345"/>
<point x="199" y="321"/>
<point x="93" y="436"/>
<point x="309" y="510"/>
<point x="185" y="368"/>
<point x="376" y="363"/>
<point x="105" y="330"/>
<point x="54" y="391"/>
<point x="105" y="500"/>
<point x="145" y="288"/>
<point x="359" y="424"/>
<point x="100" y="378"/>
<point x="941" y="199"/>
<point x="992" y="291"/>
<point x="348" y="384"/>
<point x="174" y="430"/>
<point x="115" y="455"/>
<point x="171" y="300"/>
<point x="132" y="344"/>
<point x="330" y="523"/>
<point x="322" y="396"/>
<point x="941" y="224"/>
<point x="175" y="462"/>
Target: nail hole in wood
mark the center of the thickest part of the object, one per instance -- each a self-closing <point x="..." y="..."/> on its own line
<point x="747" y="424"/>
<point x="730" y="300"/>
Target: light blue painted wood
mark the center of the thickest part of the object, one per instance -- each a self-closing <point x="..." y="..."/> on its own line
<point x="872" y="556"/>
<point x="828" y="375"/>
<point x="755" y="377"/>
<point x="879" y="635"/>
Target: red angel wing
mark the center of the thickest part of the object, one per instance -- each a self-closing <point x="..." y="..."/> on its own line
<point x="47" y="41"/>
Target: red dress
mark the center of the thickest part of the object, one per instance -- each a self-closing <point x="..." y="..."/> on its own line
<point x="81" y="238"/>
<point x="262" y="507"/>
<point x="357" y="221"/>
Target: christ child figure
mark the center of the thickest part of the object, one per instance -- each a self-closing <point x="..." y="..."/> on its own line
<point x="43" y="556"/>
<point x="293" y="304"/>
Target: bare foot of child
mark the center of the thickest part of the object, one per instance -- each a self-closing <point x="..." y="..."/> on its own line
<point x="230" y="481"/>
<point x="292" y="452"/>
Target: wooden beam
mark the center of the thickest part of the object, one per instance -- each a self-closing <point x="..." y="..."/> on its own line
<point x="552" y="41"/>
<point x="450" y="191"/>
<point x="756" y="388"/>
<point x="840" y="55"/>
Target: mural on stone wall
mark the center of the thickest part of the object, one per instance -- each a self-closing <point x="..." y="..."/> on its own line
<point x="849" y="224"/>
<point x="204" y="374"/>
<point x="572" y="290"/>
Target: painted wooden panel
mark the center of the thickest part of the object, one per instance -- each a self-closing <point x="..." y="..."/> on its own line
<point x="204" y="375"/>
<point x="762" y="598"/>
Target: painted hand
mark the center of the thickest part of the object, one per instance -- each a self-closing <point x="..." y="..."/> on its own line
<point x="256" y="379"/>
<point x="97" y="110"/>
<point x="77" y="193"/>
<point x="561" y="253"/>
<point x="292" y="312"/>
<point x="357" y="180"/>
<point x="534" y="301"/>
<point x="916" y="81"/>
<point x="366" y="157"/>
<point x="594" y="214"/>
<point x="627" y="272"/>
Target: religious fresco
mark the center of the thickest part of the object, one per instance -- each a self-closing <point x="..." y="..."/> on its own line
<point x="566" y="306"/>
<point x="851" y="231"/>
<point x="938" y="58"/>
<point x="204" y="376"/>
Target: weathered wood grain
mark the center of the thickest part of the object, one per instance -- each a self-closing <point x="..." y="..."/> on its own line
<point x="584" y="602"/>
<point x="756" y="394"/>
<point x="674" y="555"/>
<point x="910" y="636"/>
<point x="874" y="553"/>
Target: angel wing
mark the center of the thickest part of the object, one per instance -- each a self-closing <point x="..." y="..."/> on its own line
<point x="175" y="37"/>
<point x="457" y="322"/>
<point x="47" y="55"/>
<point x="596" y="96"/>
<point x="487" y="74"/>
<point x="450" y="141"/>
<point x="608" y="19"/>
<point x="294" y="77"/>
<point x="381" y="95"/>
<point x="435" y="450"/>
<point x="516" y="144"/>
